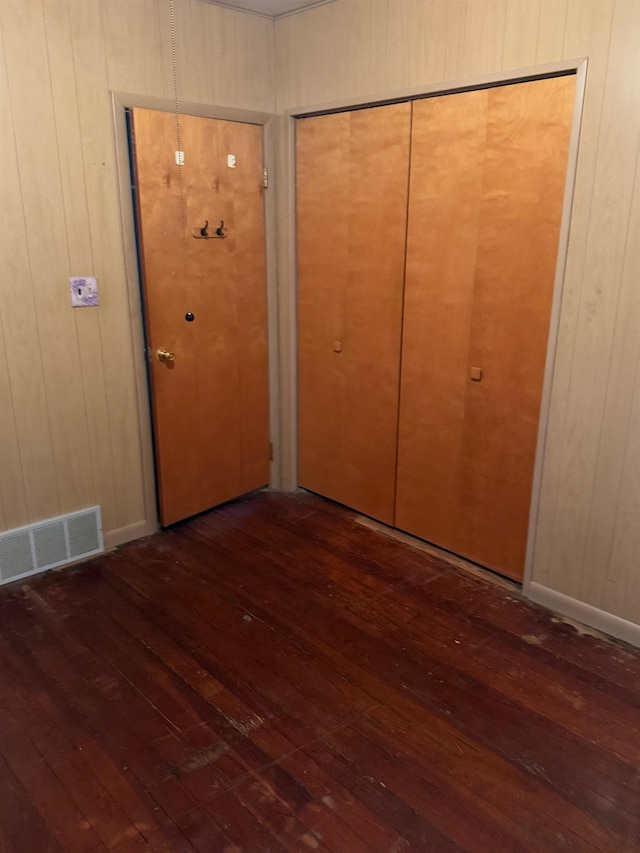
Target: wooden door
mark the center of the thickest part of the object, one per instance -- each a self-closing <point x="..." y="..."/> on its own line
<point x="210" y="403"/>
<point x="488" y="173"/>
<point x="352" y="174"/>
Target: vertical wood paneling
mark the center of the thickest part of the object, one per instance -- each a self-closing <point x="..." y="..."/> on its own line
<point x="134" y="64"/>
<point x="80" y="251"/>
<point x="454" y="43"/>
<point x="621" y="592"/>
<point x="13" y="507"/>
<point x="484" y="36"/>
<point x="65" y="454"/>
<point x="99" y="167"/>
<point x="332" y="43"/>
<point x="388" y="69"/>
<point x="520" y="40"/>
<point x="592" y="306"/>
<point x="253" y="62"/>
<point x="13" y="264"/>
<point x="155" y="63"/>
<point x="551" y="29"/>
<point x="354" y="64"/>
<point x="587" y="33"/>
<point x="586" y="544"/>
<point x="165" y="55"/>
<point x="69" y="425"/>
<point x="423" y="26"/>
<point x="125" y="68"/>
<point x="194" y="80"/>
<point x="221" y="39"/>
<point x="613" y="258"/>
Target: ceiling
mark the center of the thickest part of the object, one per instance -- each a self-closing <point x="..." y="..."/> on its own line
<point x="270" y="8"/>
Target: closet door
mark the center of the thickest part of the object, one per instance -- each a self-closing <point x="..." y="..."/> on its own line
<point x="487" y="185"/>
<point x="352" y="183"/>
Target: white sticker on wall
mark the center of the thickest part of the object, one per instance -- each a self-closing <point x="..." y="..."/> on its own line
<point x="84" y="291"/>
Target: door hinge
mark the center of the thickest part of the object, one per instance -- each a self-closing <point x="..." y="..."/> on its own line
<point x="271" y="452"/>
<point x="265" y="177"/>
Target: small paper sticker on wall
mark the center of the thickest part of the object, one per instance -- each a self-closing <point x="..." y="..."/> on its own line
<point x="84" y="291"/>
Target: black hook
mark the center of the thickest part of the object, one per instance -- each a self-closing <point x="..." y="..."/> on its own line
<point x="203" y="233"/>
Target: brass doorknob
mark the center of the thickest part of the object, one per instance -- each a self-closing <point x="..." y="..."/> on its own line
<point x="165" y="355"/>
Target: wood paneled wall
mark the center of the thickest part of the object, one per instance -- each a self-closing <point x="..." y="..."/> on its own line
<point x="69" y="425"/>
<point x="588" y="535"/>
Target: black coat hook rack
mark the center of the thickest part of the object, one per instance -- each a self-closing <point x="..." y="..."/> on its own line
<point x="203" y="233"/>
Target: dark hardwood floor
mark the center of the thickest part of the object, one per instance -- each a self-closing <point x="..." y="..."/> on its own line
<point x="274" y="676"/>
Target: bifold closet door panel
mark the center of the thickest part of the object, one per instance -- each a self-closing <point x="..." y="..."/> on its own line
<point x="352" y="179"/>
<point x="528" y="133"/>
<point x="466" y="454"/>
<point x="448" y="144"/>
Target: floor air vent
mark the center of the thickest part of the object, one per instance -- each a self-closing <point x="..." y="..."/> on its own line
<point x="38" y="547"/>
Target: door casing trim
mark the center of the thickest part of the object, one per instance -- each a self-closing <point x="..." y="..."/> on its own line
<point x="121" y="101"/>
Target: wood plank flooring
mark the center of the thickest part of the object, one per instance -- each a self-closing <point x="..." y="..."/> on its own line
<point x="274" y="676"/>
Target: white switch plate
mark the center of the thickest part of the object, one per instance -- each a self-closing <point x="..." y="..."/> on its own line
<point x="84" y="291"/>
<point x="231" y="161"/>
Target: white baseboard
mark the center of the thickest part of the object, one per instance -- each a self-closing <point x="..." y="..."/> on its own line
<point x="585" y="613"/>
<point x="113" y="538"/>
